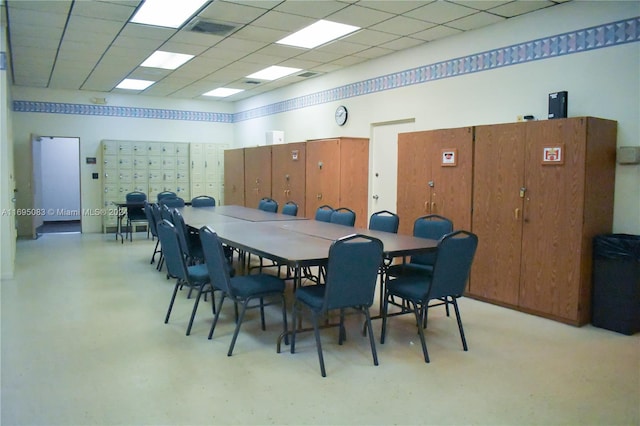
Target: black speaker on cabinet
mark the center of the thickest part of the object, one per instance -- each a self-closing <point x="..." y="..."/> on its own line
<point x="558" y="104"/>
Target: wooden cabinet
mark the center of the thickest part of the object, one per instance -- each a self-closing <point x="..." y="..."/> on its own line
<point x="542" y="191"/>
<point x="257" y="175"/>
<point x="337" y="174"/>
<point x="234" y="176"/>
<point x="288" y="166"/>
<point x="435" y="173"/>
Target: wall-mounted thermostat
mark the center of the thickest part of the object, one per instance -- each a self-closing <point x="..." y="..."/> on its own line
<point x="628" y="155"/>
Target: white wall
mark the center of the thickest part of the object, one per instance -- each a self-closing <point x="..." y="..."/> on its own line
<point x="60" y="178"/>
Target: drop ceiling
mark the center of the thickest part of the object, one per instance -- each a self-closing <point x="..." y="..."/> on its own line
<point x="90" y="45"/>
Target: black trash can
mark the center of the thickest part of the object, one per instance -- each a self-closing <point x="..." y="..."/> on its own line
<point x="615" y="303"/>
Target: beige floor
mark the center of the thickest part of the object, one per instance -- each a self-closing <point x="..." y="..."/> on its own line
<point x="83" y="343"/>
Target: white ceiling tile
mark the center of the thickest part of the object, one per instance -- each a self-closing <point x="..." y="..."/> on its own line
<point x="440" y="12"/>
<point x="400" y="26"/>
<point x="103" y="10"/>
<point x="472" y="22"/>
<point x="268" y="35"/>
<point x="231" y="12"/>
<point x="374" y="52"/>
<point x="282" y="21"/>
<point x="362" y="17"/>
<point x="371" y="37"/>
<point x="240" y="45"/>
<point x="435" y="33"/>
<point x="402" y="43"/>
<point x="520" y="7"/>
<point x="396" y="7"/>
<point x="483" y="4"/>
<point x="311" y="9"/>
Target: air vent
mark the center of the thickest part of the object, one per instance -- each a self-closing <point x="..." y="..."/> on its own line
<point x="252" y="82"/>
<point x="199" y="25"/>
<point x="307" y="74"/>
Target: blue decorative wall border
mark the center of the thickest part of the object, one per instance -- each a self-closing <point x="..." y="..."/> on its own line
<point x="596" y="37"/>
<point x="118" y="111"/>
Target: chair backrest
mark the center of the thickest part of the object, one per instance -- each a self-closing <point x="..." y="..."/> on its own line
<point x="166" y="194"/>
<point x="203" y="201"/>
<point x="215" y="260"/>
<point x="183" y="232"/>
<point x="451" y="270"/>
<point x="172" y="202"/>
<point x="323" y="213"/>
<point x="343" y="216"/>
<point x="430" y="226"/>
<point x="352" y="271"/>
<point x="148" y="212"/>
<point x="384" y="220"/>
<point x="157" y="214"/>
<point x="290" y="208"/>
<point x="268" y="205"/>
<point x="165" y="213"/>
<point x="173" y="255"/>
<point x="136" y="197"/>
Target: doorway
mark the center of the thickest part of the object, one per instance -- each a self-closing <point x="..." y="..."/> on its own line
<point x="56" y="185"/>
<point x="383" y="168"/>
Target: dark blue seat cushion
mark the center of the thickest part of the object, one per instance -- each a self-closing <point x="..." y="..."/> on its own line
<point x="312" y="296"/>
<point x="409" y="269"/>
<point x="198" y="273"/>
<point x="246" y="286"/>
<point x="411" y="287"/>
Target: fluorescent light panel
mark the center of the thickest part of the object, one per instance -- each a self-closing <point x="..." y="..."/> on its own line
<point x="273" y="73"/>
<point x="222" y="92"/>
<point x="166" y="13"/>
<point x="316" y="34"/>
<point x="166" y="60"/>
<point x="134" y="84"/>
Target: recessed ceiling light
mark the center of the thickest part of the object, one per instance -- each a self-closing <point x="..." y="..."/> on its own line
<point x="273" y="73"/>
<point x="134" y="84"/>
<point x="316" y="34"/>
<point x="222" y="92"/>
<point x="166" y="13"/>
<point x="166" y="60"/>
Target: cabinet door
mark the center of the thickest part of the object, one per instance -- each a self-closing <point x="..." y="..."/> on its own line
<point x="288" y="164"/>
<point x="354" y="178"/>
<point x="414" y="174"/>
<point x="497" y="212"/>
<point x="234" y="177"/>
<point x="452" y="175"/>
<point x="257" y="175"/>
<point x="553" y="218"/>
<point x="322" y="175"/>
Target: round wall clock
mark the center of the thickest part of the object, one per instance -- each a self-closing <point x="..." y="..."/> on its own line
<point x="341" y="115"/>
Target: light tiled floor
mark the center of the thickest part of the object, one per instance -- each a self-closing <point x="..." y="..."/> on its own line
<point x="84" y="343"/>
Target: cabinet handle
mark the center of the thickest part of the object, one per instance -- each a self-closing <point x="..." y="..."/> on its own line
<point x="517" y="214"/>
<point x="319" y="196"/>
<point x="426" y="206"/>
<point x="433" y="207"/>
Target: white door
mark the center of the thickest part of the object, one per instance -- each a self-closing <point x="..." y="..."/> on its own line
<point x="36" y="184"/>
<point x="383" y="176"/>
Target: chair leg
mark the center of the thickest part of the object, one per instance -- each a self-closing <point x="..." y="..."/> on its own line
<point x="342" y="333"/>
<point x="264" y="327"/>
<point x="385" y="306"/>
<point x="418" y="316"/>
<point x="195" y="307"/>
<point x="238" y="325"/>
<point x="173" y="298"/>
<point x="285" y="328"/>
<point x="215" y="318"/>
<point x="294" y="311"/>
<point x="316" y="332"/>
<point x="155" y="250"/>
<point x="371" y="339"/>
<point x="455" y="306"/>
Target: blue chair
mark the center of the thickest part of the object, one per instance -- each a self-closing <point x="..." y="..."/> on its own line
<point x="172" y="202"/>
<point x="203" y="201"/>
<point x="241" y="290"/>
<point x="431" y="226"/>
<point x="352" y="272"/>
<point x="190" y="241"/>
<point x="153" y="228"/>
<point x="384" y="220"/>
<point x="445" y="284"/>
<point x="290" y="208"/>
<point x="194" y="276"/>
<point x="323" y="213"/>
<point x="166" y="194"/>
<point x="268" y="205"/>
<point x="343" y="216"/>
<point x="157" y="217"/>
<point x="135" y="213"/>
